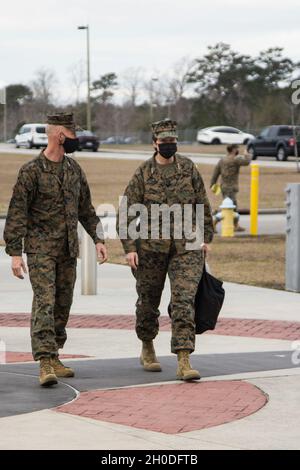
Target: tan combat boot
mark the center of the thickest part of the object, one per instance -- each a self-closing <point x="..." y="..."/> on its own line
<point x="61" y="370"/>
<point x="238" y="228"/>
<point x="148" y="358"/>
<point x="47" y="374"/>
<point x="184" y="370"/>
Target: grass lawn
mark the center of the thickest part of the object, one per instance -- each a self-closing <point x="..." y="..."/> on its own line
<point x="258" y="261"/>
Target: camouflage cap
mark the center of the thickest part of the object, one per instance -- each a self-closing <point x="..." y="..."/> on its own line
<point x="62" y="119"/>
<point x="164" y="128"/>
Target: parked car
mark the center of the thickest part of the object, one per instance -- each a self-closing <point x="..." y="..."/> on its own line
<point x="275" y="141"/>
<point x="32" y="135"/>
<point x="87" y="140"/>
<point x="131" y="140"/>
<point x="115" y="139"/>
<point x="223" y="135"/>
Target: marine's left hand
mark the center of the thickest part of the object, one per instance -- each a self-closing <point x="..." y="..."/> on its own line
<point x="101" y="253"/>
<point x="205" y="249"/>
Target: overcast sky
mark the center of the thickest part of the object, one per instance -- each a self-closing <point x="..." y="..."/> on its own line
<point x="151" y="34"/>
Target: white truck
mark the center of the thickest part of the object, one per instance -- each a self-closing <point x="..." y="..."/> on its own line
<point x="32" y="135"/>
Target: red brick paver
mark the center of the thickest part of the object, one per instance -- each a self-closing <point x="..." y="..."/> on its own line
<point x="11" y="356"/>
<point x="171" y="409"/>
<point x="275" y="329"/>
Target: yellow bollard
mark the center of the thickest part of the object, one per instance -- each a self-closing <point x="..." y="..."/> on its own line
<point x="227" y="212"/>
<point x="254" y="199"/>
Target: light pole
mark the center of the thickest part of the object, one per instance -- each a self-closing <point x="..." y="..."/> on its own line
<point x="151" y="97"/>
<point x="169" y="104"/>
<point x="3" y="101"/>
<point x="88" y="103"/>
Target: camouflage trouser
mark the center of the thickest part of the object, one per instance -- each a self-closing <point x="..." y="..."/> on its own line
<point x="185" y="271"/>
<point x="52" y="280"/>
<point x="232" y="195"/>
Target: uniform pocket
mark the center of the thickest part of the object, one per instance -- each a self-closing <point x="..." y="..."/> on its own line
<point x="31" y="259"/>
<point x="48" y="185"/>
<point x="185" y="189"/>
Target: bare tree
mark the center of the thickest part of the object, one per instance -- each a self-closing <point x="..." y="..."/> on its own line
<point x="178" y="83"/>
<point x="43" y="88"/>
<point x="133" y="83"/>
<point x="77" y="76"/>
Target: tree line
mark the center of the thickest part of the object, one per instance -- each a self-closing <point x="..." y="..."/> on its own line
<point x="222" y="86"/>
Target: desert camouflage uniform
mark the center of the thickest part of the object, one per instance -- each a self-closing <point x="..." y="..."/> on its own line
<point x="176" y="183"/>
<point x="48" y="201"/>
<point x="229" y="168"/>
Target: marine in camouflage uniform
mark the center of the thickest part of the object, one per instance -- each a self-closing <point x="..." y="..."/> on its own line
<point x="228" y="168"/>
<point x="49" y="198"/>
<point x="180" y="183"/>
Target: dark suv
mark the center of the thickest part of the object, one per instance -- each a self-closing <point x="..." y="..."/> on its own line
<point x="275" y="141"/>
<point x="87" y="140"/>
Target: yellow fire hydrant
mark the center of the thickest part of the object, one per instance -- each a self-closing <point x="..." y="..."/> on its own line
<point x="227" y="216"/>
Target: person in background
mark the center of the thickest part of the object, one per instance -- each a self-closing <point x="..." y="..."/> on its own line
<point x="228" y="169"/>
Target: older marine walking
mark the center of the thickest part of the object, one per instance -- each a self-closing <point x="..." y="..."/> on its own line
<point x="49" y="198"/>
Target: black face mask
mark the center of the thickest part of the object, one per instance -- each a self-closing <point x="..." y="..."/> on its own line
<point x="167" y="150"/>
<point x="70" y="145"/>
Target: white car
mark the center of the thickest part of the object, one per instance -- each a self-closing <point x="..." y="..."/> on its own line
<point x="223" y="135"/>
<point x="32" y="135"/>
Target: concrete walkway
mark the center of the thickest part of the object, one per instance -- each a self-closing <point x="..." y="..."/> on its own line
<point x="265" y="370"/>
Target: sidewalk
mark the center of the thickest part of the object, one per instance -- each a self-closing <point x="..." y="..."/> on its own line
<point x="247" y="399"/>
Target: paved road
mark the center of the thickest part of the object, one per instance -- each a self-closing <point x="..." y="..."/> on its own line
<point x="207" y="159"/>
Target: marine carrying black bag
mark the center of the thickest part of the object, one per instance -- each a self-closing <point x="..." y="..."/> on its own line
<point x="208" y="302"/>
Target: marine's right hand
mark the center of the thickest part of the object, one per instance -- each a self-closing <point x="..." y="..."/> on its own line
<point x="17" y="266"/>
<point x="132" y="259"/>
